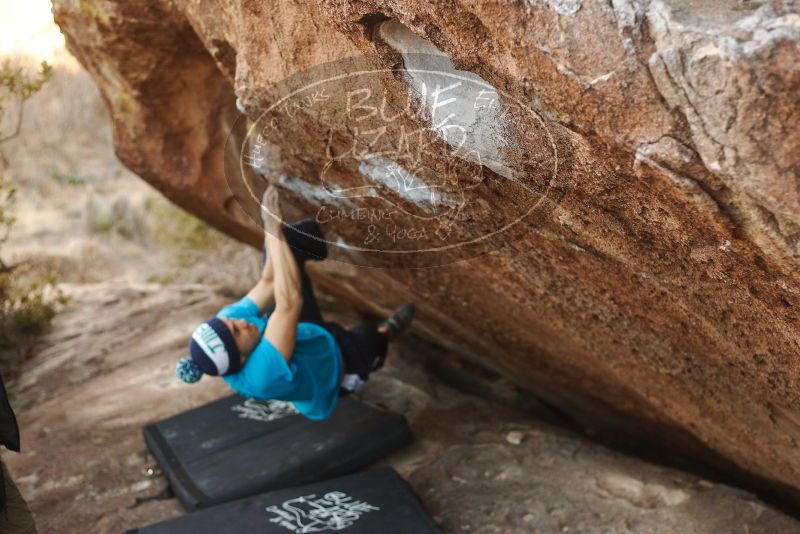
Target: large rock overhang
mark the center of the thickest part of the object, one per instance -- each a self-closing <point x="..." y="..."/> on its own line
<point x="652" y="290"/>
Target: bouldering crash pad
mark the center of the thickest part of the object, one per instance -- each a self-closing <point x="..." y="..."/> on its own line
<point x="237" y="447"/>
<point x="374" y="501"/>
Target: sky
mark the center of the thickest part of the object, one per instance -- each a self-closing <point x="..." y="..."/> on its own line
<point x="27" y="29"/>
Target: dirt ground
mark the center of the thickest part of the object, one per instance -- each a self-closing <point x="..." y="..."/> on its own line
<point x="107" y="369"/>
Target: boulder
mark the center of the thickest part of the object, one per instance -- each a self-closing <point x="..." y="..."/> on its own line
<point x="598" y="200"/>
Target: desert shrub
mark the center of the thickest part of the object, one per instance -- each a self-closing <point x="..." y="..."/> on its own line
<point x="67" y="178"/>
<point x="179" y="231"/>
<point x="27" y="306"/>
<point x="198" y="253"/>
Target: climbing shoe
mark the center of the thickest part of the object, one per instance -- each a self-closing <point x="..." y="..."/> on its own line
<point x="399" y="321"/>
<point x="307" y="240"/>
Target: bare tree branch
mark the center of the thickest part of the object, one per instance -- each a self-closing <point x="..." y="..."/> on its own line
<point x="18" y="126"/>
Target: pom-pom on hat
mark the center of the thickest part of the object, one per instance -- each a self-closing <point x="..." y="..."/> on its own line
<point x="188" y="371"/>
<point x="214" y="350"/>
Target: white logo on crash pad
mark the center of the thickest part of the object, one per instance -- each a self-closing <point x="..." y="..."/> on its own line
<point x="264" y="411"/>
<point x="333" y="511"/>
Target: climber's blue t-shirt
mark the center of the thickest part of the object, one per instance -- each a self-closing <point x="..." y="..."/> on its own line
<point x="310" y="380"/>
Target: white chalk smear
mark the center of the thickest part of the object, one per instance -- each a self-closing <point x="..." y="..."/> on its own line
<point x="464" y="110"/>
<point x="314" y="192"/>
<point x="404" y="183"/>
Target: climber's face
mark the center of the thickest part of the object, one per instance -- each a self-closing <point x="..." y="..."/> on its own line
<point x="244" y="333"/>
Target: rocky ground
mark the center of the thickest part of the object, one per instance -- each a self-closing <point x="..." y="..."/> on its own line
<point x="107" y="369"/>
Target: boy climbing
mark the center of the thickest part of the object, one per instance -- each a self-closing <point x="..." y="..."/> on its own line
<point x="274" y="343"/>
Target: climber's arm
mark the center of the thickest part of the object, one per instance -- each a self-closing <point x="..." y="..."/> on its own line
<point x="281" y="329"/>
<point x="263" y="293"/>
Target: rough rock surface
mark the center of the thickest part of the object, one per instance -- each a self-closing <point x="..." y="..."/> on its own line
<point x="652" y="288"/>
<point x="107" y="369"/>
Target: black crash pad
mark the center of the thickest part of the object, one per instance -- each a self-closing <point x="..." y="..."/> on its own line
<point x="373" y="502"/>
<point x="237" y="447"/>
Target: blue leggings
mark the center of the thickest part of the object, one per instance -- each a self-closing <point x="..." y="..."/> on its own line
<point x="363" y="347"/>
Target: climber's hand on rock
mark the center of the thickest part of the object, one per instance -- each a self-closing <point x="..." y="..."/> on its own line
<point x="271" y="214"/>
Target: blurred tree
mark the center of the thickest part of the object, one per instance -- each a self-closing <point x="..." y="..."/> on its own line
<point x="26" y="308"/>
<point x="18" y="86"/>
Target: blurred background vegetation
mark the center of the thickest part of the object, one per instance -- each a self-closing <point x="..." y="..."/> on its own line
<point x="70" y="213"/>
<point x="27" y="304"/>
